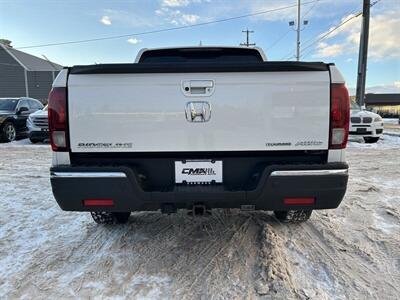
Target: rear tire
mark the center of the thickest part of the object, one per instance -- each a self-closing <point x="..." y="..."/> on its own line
<point x="103" y="217"/>
<point x="370" y="140"/>
<point x="33" y="141"/>
<point x="8" y="132"/>
<point x="293" y="216"/>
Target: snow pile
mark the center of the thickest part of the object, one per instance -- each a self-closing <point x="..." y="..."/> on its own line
<point x="23" y="143"/>
<point x="385" y="142"/>
<point x="391" y="121"/>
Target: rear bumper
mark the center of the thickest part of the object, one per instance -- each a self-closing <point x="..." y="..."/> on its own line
<point x="325" y="183"/>
<point x="39" y="135"/>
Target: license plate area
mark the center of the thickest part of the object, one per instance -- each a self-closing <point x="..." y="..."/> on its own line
<point x="198" y="171"/>
<point x="361" y="130"/>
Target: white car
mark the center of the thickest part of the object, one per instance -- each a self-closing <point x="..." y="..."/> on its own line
<point x="38" y="126"/>
<point x="365" y="124"/>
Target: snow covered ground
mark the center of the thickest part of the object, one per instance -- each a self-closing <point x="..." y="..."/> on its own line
<point x="391" y="121"/>
<point x="387" y="141"/>
<point x="391" y="127"/>
<point x="348" y="253"/>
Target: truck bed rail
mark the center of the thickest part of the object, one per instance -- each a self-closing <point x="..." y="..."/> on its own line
<point x="269" y="66"/>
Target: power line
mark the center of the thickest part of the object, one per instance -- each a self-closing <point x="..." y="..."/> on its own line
<point x="289" y="30"/>
<point x="334" y="29"/>
<point x="311" y="8"/>
<point x="165" y="29"/>
<point x="324" y="36"/>
<point x="278" y="40"/>
<point x="354" y="11"/>
<point x="289" y="54"/>
<point x="331" y="31"/>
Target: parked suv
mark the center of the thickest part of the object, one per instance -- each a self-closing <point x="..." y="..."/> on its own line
<point x="366" y="124"/>
<point x="38" y="126"/>
<point x="13" y="115"/>
<point x="199" y="128"/>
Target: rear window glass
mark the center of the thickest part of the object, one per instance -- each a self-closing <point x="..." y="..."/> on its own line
<point x="213" y="55"/>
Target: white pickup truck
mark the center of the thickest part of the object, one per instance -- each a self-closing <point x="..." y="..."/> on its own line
<point x="199" y="128"/>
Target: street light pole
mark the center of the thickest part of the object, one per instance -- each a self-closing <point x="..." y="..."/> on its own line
<point x="298" y="31"/>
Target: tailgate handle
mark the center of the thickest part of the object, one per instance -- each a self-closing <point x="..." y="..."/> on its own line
<point x="201" y="84"/>
<point x="198" y="87"/>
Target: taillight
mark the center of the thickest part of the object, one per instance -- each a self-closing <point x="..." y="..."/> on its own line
<point x="340" y="115"/>
<point x="58" y="126"/>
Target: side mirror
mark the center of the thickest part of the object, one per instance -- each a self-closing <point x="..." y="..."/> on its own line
<point x="22" y="109"/>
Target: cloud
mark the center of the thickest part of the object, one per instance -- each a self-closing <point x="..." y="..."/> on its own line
<point x="383" y="37"/>
<point x="175" y="3"/>
<point x="321" y="9"/>
<point x="133" y="41"/>
<point x="176" y="17"/>
<point x="106" y="20"/>
<point x="325" y="50"/>
<point x="180" y="3"/>
<point x="129" y="19"/>
<point x="190" y="19"/>
<point x="279" y="15"/>
<point x="385" y="88"/>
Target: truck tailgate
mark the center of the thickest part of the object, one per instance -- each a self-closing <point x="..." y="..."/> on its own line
<point x="241" y="111"/>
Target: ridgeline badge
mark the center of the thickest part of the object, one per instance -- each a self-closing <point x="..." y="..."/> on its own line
<point x="104" y="145"/>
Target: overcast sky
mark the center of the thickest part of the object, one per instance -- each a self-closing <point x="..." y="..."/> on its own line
<point x="28" y="23"/>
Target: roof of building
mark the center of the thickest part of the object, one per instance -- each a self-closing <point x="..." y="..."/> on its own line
<point x="31" y="62"/>
<point x="382" y="99"/>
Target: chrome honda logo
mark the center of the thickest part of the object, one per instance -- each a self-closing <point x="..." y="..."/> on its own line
<point x="198" y="111"/>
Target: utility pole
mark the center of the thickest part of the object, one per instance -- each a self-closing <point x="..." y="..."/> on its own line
<point x="247" y="44"/>
<point x="298" y="31"/>
<point x="363" y="54"/>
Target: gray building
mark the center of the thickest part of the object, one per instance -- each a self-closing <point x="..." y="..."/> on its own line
<point x="25" y="75"/>
<point x="382" y="99"/>
<point x="387" y="105"/>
